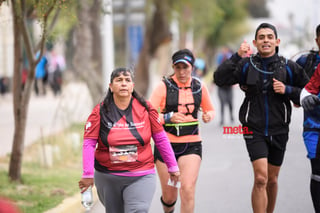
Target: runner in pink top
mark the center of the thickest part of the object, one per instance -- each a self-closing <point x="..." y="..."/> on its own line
<point x="117" y="153"/>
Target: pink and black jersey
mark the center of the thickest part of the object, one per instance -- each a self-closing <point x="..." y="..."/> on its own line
<point x="123" y="133"/>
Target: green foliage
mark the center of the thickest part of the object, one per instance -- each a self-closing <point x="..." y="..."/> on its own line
<point x="231" y="24"/>
<point x="59" y="21"/>
<point x="216" y="21"/>
<point x="65" y="22"/>
<point x="41" y="7"/>
<point x="44" y="188"/>
<point x="199" y="15"/>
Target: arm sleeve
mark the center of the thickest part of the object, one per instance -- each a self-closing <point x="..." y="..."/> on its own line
<point x="163" y="145"/>
<point x="304" y="93"/>
<point x="206" y="103"/>
<point x="90" y="139"/>
<point x="300" y="79"/>
<point x="158" y="99"/>
<point x="88" y="149"/>
<point x="228" y="72"/>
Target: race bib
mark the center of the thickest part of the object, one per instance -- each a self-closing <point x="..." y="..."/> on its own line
<point x="123" y="153"/>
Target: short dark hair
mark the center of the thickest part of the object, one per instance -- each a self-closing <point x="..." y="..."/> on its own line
<point x="270" y="26"/>
<point x="266" y="25"/>
<point x="318" y="30"/>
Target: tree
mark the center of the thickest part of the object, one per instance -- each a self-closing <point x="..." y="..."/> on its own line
<point x="87" y="59"/>
<point x="46" y="12"/>
<point x="157" y="32"/>
<point x="21" y="97"/>
<point x="230" y="24"/>
<point x="215" y="22"/>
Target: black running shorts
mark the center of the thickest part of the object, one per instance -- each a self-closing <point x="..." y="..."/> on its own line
<point x="270" y="147"/>
<point x="181" y="149"/>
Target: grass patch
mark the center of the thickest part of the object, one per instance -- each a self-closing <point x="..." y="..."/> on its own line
<point x="47" y="177"/>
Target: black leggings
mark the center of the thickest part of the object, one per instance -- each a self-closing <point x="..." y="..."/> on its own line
<point x="315" y="184"/>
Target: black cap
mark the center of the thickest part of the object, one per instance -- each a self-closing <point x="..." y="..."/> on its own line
<point x="184" y="56"/>
<point x="270" y="26"/>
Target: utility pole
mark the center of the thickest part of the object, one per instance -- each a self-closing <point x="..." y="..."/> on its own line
<point x="126" y="27"/>
<point x="107" y="42"/>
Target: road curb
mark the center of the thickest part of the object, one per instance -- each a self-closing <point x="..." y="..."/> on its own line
<point x="72" y="204"/>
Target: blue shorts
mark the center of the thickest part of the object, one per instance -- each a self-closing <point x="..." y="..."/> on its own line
<point x="181" y="149"/>
<point x="311" y="141"/>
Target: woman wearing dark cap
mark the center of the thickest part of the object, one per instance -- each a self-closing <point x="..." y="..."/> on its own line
<point x="117" y="154"/>
<point x="179" y="99"/>
<point x="269" y="82"/>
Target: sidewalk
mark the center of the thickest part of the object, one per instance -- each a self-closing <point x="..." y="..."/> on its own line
<point x="73" y="204"/>
<point x="46" y="114"/>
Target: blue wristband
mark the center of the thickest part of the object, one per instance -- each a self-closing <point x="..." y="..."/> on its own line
<point x="167" y="117"/>
<point x="288" y="90"/>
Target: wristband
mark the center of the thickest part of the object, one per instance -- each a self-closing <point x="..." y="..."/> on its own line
<point x="167" y="117"/>
<point x="288" y="90"/>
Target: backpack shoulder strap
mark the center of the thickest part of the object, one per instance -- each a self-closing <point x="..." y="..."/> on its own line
<point x="244" y="73"/>
<point x="311" y="58"/>
<point x="288" y="69"/>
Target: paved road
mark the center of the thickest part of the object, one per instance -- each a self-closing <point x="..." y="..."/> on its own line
<point x="225" y="179"/>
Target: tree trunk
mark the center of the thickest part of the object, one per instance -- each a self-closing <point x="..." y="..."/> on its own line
<point x="82" y="62"/>
<point x="142" y="69"/>
<point x="21" y="97"/>
<point x="20" y="107"/>
<point x="19" y="116"/>
<point x="157" y="33"/>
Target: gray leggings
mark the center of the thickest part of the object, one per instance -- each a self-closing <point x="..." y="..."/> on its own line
<point x="121" y="194"/>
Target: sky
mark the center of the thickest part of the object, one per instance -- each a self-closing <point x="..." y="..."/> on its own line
<point x="303" y="11"/>
<point x="305" y="18"/>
